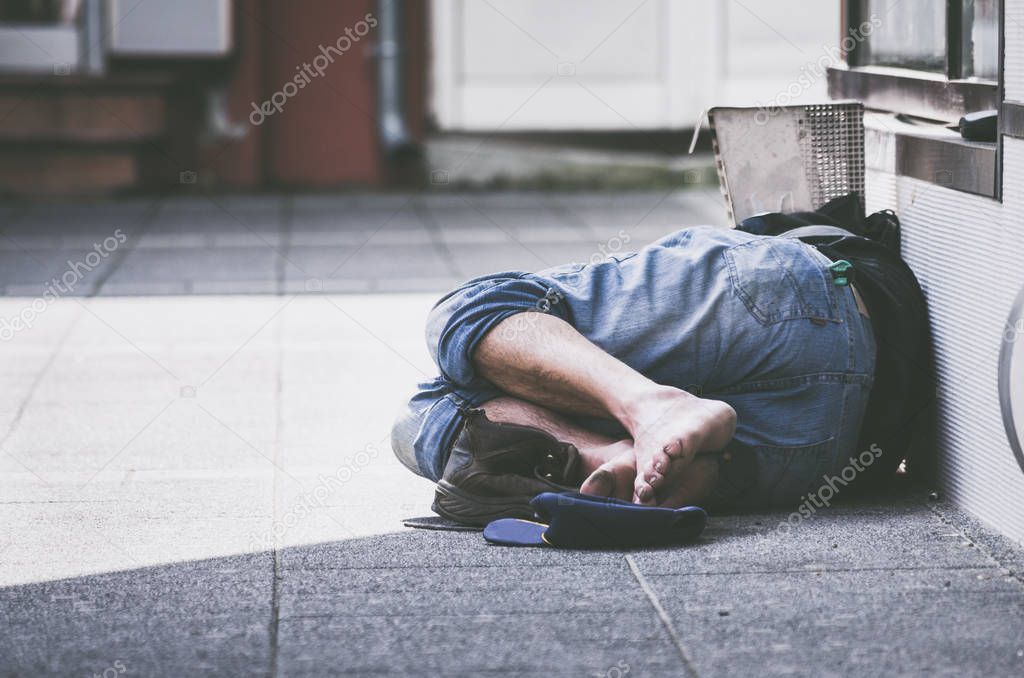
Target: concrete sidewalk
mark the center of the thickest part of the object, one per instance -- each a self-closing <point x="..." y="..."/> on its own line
<point x="330" y="243"/>
<point x="201" y="483"/>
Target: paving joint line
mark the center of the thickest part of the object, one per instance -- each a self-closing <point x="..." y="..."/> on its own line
<point x="666" y="620"/>
<point x="287" y="217"/>
<point x="20" y="213"/>
<point x="569" y="216"/>
<point x="434" y="230"/>
<point x="431" y="614"/>
<point x="1015" y="574"/>
<point x="276" y="574"/>
<point x="118" y="257"/>
<point x="879" y="568"/>
<point x="40" y="375"/>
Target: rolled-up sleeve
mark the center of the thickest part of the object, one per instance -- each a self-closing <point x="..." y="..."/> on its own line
<point x="461" y="319"/>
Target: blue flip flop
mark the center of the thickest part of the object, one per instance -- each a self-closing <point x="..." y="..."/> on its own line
<point x="571" y="520"/>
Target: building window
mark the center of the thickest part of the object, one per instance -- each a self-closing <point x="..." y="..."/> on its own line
<point x="923" y="64"/>
<point x="958" y="39"/>
<point x="912" y="34"/>
<point x="924" y="58"/>
<point x="980" y="30"/>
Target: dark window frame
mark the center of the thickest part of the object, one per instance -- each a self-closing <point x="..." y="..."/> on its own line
<point x="937" y="96"/>
<point x="933" y="96"/>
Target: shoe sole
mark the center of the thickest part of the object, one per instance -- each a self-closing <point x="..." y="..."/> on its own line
<point x="472" y="509"/>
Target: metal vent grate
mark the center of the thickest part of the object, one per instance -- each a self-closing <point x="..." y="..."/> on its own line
<point x="832" y="149"/>
<point x="790" y="158"/>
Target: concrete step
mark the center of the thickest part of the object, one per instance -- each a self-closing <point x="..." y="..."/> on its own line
<point x="72" y="109"/>
<point x="81" y="118"/>
<point x="33" y="172"/>
<point x="75" y="135"/>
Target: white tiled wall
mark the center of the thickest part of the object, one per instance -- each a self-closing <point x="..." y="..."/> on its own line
<point x="1013" y="70"/>
<point x="966" y="250"/>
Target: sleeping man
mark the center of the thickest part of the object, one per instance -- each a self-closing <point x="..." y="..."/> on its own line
<point x="713" y="367"/>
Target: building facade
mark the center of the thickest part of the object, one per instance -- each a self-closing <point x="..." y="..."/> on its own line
<point x="961" y="204"/>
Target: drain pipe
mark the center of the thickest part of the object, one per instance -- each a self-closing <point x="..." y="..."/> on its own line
<point x="93" y="45"/>
<point x="394" y="133"/>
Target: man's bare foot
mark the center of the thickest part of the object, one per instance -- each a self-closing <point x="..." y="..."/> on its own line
<point x="615" y="478"/>
<point x="692" y="485"/>
<point x="611" y="470"/>
<point x="669" y="427"/>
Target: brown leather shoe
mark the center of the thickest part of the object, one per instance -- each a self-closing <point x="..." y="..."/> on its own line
<point x="495" y="469"/>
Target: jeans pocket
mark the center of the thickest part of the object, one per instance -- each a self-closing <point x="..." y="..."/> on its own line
<point x="786" y="474"/>
<point x="764" y="476"/>
<point x="781" y="279"/>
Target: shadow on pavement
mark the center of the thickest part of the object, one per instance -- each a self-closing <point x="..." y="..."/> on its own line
<point x="863" y="589"/>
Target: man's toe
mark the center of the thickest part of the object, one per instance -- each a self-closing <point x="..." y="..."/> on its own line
<point x="644" y="493"/>
<point x="601" y="483"/>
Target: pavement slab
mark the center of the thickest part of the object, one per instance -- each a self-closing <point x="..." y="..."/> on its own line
<point x="195" y="474"/>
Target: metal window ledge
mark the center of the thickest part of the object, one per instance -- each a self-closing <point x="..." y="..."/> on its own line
<point x="929" y="152"/>
<point x="1011" y="119"/>
<point x="925" y="95"/>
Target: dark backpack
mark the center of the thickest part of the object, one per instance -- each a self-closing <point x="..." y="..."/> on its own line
<point x="901" y="408"/>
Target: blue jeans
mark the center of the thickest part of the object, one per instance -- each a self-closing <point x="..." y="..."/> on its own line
<point x="755" y="321"/>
